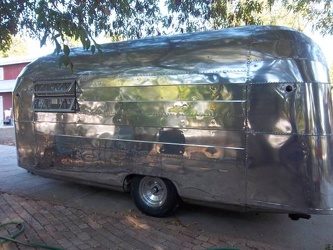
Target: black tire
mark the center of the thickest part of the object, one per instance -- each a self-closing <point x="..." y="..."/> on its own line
<point x="154" y="196"/>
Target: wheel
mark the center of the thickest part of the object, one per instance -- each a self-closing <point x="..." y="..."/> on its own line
<point x="154" y="196"/>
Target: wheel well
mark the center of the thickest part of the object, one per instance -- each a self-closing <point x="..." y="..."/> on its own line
<point x="127" y="183"/>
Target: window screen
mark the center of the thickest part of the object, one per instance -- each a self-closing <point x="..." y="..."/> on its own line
<point x="56" y="96"/>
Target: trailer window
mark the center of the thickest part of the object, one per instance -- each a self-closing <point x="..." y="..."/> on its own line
<point x="56" y="96"/>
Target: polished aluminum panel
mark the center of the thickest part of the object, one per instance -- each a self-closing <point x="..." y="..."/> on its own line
<point x="240" y="116"/>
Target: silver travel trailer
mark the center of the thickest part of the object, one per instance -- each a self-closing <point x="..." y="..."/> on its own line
<point x="239" y="118"/>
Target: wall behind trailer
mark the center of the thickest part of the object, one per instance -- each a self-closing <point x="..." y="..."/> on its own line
<point x="7" y="100"/>
<point x="10" y="68"/>
<point x="11" y="71"/>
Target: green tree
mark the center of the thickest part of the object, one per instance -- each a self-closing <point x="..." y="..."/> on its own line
<point x="12" y="16"/>
<point x="17" y="48"/>
<point x="318" y="12"/>
<point x="278" y="14"/>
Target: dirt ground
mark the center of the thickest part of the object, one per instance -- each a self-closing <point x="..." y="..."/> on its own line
<point x="7" y="136"/>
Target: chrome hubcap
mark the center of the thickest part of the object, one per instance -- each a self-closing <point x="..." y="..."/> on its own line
<point x="153" y="191"/>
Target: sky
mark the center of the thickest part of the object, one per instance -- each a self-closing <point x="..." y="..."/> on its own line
<point x="325" y="43"/>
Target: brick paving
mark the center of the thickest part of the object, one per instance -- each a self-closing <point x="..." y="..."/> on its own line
<point x="72" y="228"/>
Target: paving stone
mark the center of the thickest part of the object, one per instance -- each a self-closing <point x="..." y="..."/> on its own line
<point x="83" y="236"/>
<point x="187" y="245"/>
<point x="197" y="242"/>
<point x="76" y="229"/>
<point x="202" y="238"/>
<point x="206" y="245"/>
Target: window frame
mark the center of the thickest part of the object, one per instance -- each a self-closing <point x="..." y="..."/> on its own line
<point x="56" y="96"/>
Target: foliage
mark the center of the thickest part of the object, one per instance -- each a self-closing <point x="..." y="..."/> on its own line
<point x="12" y="15"/>
<point x="191" y="15"/>
<point x="84" y="20"/>
<point x="318" y="12"/>
<point x="278" y="14"/>
<point x="17" y="48"/>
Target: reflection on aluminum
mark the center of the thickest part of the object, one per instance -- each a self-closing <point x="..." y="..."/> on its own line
<point x="239" y="117"/>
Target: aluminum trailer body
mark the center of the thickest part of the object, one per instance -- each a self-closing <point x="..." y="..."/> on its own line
<point x="238" y="118"/>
